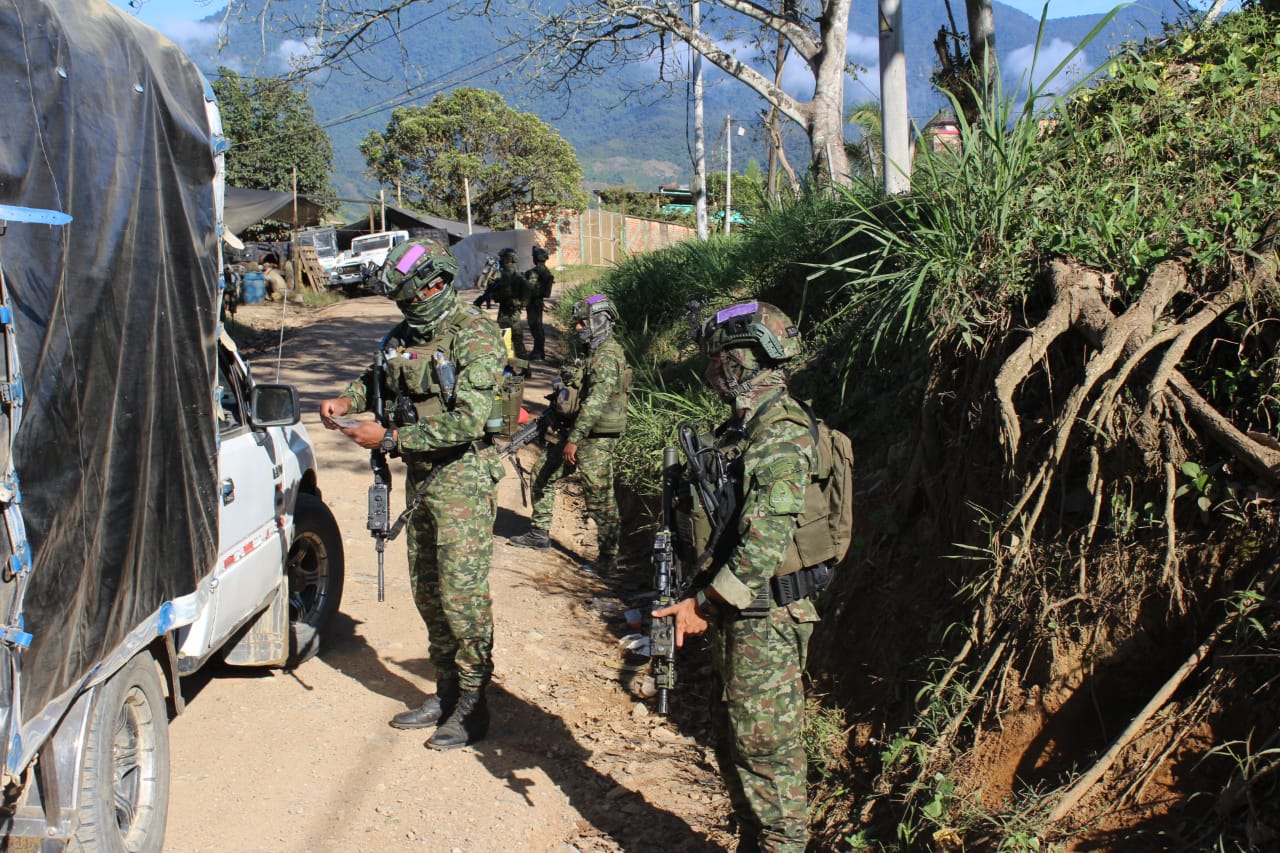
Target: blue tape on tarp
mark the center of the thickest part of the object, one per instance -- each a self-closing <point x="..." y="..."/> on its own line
<point x="13" y="213"/>
<point x="165" y="619"/>
<point x="15" y="636"/>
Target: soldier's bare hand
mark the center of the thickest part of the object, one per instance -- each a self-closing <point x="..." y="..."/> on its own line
<point x="368" y="435"/>
<point x="688" y="619"/>
<point x="571" y="453"/>
<point x="334" y="407"/>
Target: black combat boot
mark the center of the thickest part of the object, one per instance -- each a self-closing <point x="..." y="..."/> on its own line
<point x="535" y="538"/>
<point x="468" y="723"/>
<point x="603" y="566"/>
<point x="432" y="711"/>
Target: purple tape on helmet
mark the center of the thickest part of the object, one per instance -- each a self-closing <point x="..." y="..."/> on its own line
<point x="732" y="311"/>
<point x="592" y="300"/>
<point x="410" y="258"/>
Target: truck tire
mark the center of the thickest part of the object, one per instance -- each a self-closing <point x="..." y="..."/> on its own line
<point x="316" y="568"/>
<point x="124" y="782"/>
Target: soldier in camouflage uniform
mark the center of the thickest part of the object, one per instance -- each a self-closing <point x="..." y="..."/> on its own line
<point x="760" y="634"/>
<point x="442" y="368"/>
<point x="593" y="402"/>
<point x="511" y="291"/>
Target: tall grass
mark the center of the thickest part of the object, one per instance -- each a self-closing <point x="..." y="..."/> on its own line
<point x="948" y="258"/>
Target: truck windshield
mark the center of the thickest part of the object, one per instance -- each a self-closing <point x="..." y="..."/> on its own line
<point x="325" y="242"/>
<point x="369" y="244"/>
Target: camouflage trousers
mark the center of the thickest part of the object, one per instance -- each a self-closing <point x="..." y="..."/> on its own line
<point x="595" y="468"/>
<point x="758" y="716"/>
<point x="450" y="541"/>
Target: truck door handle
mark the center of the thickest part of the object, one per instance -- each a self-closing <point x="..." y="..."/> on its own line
<point x="228" y="491"/>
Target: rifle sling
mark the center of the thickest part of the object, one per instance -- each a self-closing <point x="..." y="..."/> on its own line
<point x="436" y="467"/>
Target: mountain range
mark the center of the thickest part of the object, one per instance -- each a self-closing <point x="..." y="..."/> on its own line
<point x="642" y="140"/>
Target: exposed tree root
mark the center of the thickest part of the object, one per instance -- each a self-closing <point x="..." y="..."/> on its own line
<point x="1074" y="794"/>
<point x="1122" y="343"/>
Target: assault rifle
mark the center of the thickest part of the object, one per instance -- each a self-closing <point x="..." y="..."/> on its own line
<point x="717" y="493"/>
<point x="669" y="582"/>
<point x="485" y="281"/>
<point x="379" y="522"/>
<point x="534" y="430"/>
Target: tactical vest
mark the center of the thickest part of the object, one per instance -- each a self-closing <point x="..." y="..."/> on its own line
<point x="575" y="382"/>
<point x="823" y="529"/>
<point x="425" y="373"/>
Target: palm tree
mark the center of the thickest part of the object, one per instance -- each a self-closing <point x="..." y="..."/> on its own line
<point x="865" y="154"/>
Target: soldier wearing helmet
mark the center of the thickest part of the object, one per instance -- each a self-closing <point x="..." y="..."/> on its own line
<point x="511" y="292"/>
<point x="592" y="403"/>
<point x="760" y="628"/>
<point x="539" y="283"/>
<point x="436" y="375"/>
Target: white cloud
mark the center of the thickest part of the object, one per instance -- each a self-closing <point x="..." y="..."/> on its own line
<point x="194" y="37"/>
<point x="294" y="53"/>
<point x="1016" y="68"/>
<point x="864" y="50"/>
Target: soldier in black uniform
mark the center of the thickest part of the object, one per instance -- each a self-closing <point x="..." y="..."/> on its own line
<point x="540" y="281"/>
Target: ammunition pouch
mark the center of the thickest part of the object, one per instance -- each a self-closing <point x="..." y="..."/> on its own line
<point x="504" y="414"/>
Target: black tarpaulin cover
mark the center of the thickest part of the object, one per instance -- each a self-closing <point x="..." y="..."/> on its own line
<point x="105" y="119"/>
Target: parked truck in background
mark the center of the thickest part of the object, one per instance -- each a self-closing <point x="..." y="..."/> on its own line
<point x="356" y="267"/>
<point x="324" y="239"/>
<point x="161" y="509"/>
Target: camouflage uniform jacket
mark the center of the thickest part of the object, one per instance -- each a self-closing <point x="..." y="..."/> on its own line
<point x="777" y="458"/>
<point x="604" y="376"/>
<point x="473" y="344"/>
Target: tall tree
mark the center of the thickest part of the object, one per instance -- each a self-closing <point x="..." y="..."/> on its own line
<point x="587" y="36"/>
<point x="470" y="141"/>
<point x="273" y="130"/>
<point x="584" y="37"/>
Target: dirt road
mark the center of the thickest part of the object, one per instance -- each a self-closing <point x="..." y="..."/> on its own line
<point x="265" y="760"/>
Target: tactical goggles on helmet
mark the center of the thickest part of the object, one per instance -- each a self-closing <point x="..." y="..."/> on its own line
<point x="748" y="324"/>
<point x="412" y="268"/>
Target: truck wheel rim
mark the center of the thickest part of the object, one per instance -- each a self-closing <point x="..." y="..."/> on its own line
<point x="308" y="576"/>
<point x="133" y="760"/>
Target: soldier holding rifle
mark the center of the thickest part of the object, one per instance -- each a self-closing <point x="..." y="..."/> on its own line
<point x="760" y="628"/>
<point x="431" y="389"/>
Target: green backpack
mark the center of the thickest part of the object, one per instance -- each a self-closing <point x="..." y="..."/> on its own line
<point x="824" y="529"/>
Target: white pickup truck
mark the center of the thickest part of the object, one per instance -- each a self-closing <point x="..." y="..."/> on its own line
<point x="356" y="266"/>
<point x="158" y="508"/>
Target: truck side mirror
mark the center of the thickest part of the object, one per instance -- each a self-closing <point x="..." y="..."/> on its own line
<point x="274" y="406"/>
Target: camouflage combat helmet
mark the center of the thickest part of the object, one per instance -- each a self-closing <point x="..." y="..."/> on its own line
<point x="539" y="254"/>
<point x="412" y="266"/>
<point x="762" y="327"/>
<point x="597" y="316"/>
<point x="415" y="267"/>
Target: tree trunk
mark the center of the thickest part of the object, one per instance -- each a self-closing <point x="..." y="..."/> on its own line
<point x="982" y="47"/>
<point x="826" y="111"/>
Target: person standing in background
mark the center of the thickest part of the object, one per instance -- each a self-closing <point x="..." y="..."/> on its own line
<point x="540" y="281"/>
